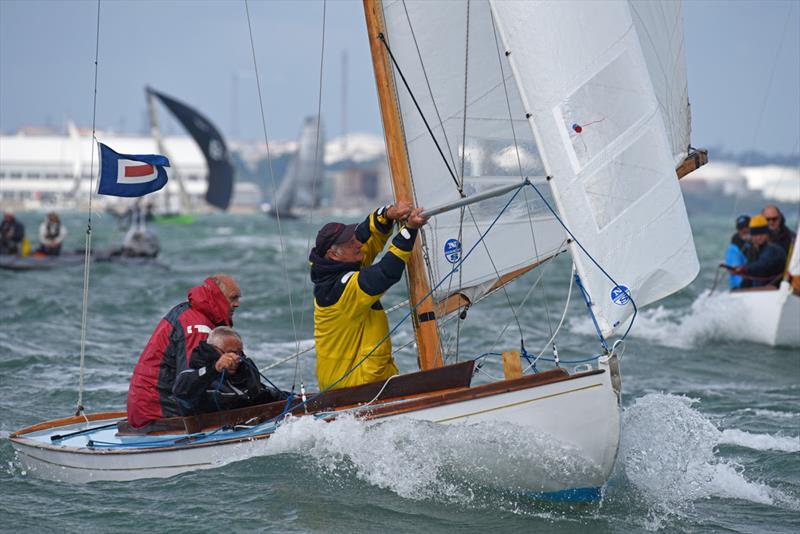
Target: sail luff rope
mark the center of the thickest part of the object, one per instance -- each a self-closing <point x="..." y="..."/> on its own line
<point x="463" y="161"/>
<point x="519" y="160"/>
<point x="272" y="176"/>
<point x="88" y="241"/>
<point x="310" y="230"/>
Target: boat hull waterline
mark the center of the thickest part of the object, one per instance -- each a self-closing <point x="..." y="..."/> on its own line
<point x="588" y="424"/>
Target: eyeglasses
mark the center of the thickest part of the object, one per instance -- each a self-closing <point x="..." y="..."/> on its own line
<point x="772" y="219"/>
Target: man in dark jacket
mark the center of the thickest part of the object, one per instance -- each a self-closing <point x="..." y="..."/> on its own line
<point x="779" y="233"/>
<point x="12" y="233"/>
<point x="169" y="350"/>
<point x="221" y="377"/>
<point x="766" y="267"/>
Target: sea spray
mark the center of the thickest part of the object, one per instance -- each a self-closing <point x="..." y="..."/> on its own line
<point x="423" y="460"/>
<point x="669" y="454"/>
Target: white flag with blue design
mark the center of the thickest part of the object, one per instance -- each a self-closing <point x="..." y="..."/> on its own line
<point x="129" y="175"/>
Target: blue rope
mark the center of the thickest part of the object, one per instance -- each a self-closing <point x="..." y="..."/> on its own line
<point x="591" y="313"/>
<point x="630" y="297"/>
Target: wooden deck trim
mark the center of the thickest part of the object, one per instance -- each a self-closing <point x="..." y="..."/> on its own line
<point x="68" y="421"/>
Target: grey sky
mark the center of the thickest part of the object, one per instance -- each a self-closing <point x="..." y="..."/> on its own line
<point x="199" y="52"/>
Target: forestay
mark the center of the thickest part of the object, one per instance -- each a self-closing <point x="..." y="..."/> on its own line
<point x="585" y="81"/>
<point x="455" y="67"/>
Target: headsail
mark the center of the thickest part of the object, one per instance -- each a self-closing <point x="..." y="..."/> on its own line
<point x="465" y="91"/>
<point x="211" y="143"/>
<point x="586" y="83"/>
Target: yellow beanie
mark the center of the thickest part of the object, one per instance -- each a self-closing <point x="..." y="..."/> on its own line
<point x="758" y="225"/>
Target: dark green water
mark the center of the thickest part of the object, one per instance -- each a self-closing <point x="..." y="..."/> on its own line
<point x="710" y="428"/>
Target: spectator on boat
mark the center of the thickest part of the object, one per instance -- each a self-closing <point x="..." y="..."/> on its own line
<point x="738" y="250"/>
<point x="12" y="232"/>
<point x="170" y="348"/>
<point x="51" y="235"/>
<point x="766" y="266"/>
<point x="349" y="321"/>
<point x="221" y="377"/>
<point x="779" y="233"/>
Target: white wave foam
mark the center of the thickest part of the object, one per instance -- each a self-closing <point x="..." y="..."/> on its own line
<point x="422" y="460"/>
<point x="668" y="452"/>
<point x="760" y="442"/>
<point x="710" y="317"/>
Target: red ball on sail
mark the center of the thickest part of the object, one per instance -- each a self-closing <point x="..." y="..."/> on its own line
<point x="577" y="127"/>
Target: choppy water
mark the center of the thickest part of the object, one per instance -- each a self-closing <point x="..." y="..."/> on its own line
<point x="710" y="429"/>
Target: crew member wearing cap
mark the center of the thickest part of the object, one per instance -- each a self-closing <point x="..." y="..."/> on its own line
<point x="766" y="267"/>
<point x="738" y="250"/>
<point x="349" y="321"/>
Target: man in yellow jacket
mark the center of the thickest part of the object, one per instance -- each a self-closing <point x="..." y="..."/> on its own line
<point x="349" y="321"/>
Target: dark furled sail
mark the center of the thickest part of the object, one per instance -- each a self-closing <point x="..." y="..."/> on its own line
<point x="211" y="143"/>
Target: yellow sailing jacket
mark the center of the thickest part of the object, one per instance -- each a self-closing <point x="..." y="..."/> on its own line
<point x="349" y="320"/>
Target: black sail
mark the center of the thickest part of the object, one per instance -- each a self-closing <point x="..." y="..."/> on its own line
<point x="211" y="143"/>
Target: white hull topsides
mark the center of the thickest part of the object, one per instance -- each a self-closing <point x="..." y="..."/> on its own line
<point x="770" y="317"/>
<point x="586" y="426"/>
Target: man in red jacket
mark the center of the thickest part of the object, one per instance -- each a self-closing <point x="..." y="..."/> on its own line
<point x="170" y="347"/>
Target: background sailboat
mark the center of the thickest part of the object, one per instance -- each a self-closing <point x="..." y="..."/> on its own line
<point x="302" y="185"/>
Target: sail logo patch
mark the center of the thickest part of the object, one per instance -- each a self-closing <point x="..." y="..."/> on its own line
<point x="620" y="295"/>
<point x="452" y="250"/>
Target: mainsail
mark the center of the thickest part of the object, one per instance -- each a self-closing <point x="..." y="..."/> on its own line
<point x="211" y="143"/>
<point x="302" y="182"/>
<point x="465" y="91"/>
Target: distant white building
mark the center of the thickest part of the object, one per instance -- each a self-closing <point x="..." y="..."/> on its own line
<point x="52" y="170"/>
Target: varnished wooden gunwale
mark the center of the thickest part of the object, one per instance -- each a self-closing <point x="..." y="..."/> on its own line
<point x="65" y="421"/>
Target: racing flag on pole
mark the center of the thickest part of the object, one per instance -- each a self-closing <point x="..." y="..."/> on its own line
<point x="127" y="175"/>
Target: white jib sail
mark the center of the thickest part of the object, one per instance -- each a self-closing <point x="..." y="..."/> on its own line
<point x="452" y="60"/>
<point x="595" y="113"/>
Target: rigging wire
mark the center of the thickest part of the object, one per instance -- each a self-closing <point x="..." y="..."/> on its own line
<point x="765" y="100"/>
<point x="87" y="260"/>
<point x="306" y="289"/>
<point x="272" y="176"/>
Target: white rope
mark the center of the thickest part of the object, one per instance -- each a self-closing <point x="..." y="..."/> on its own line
<point x="87" y="259"/>
<point x="561" y="322"/>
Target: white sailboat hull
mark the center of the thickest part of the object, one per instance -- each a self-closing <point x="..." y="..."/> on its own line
<point x="769" y="317"/>
<point x="581" y="415"/>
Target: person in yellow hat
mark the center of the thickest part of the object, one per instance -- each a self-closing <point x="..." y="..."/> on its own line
<point x="766" y="265"/>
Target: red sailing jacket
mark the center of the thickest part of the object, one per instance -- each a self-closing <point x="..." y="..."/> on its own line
<point x="169" y="350"/>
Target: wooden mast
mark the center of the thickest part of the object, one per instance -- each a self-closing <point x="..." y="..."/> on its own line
<point x="425" y="319"/>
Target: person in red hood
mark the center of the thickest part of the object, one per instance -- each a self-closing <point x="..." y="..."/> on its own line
<point x="170" y="347"/>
